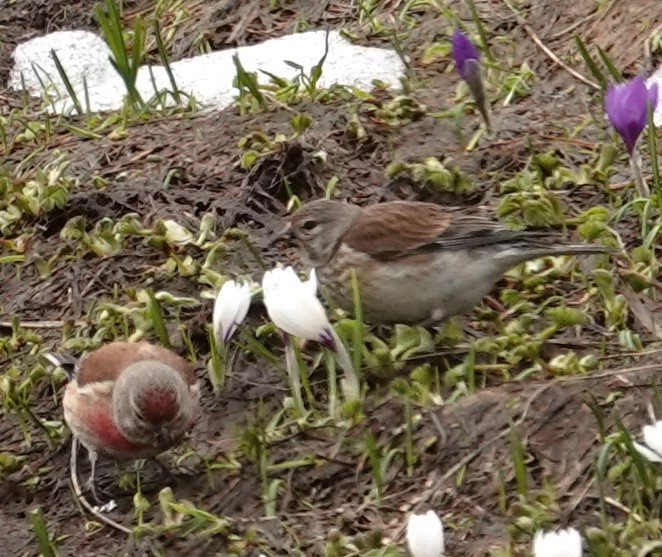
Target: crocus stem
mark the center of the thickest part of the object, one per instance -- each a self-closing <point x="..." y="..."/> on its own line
<point x="333" y="387"/>
<point x="635" y="166"/>
<point x="410" y="455"/>
<point x="351" y="384"/>
<point x="474" y="80"/>
<point x="303" y="375"/>
<point x="294" y="376"/>
<point x="217" y="361"/>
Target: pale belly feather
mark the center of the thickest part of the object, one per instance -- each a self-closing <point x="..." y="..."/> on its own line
<point x="452" y="282"/>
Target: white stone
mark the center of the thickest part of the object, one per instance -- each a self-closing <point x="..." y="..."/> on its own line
<point x="208" y="77"/>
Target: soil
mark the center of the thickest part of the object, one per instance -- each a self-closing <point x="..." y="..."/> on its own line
<point x="187" y="166"/>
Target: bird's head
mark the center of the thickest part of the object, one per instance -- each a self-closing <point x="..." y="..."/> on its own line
<point x="153" y="404"/>
<point x="319" y="227"/>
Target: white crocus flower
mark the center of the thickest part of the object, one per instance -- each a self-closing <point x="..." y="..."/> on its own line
<point x="425" y="535"/>
<point x="653" y="440"/>
<point x="230" y="309"/>
<point x="293" y="306"/>
<point x="564" y="543"/>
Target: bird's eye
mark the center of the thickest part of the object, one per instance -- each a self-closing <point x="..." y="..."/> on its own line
<point x="309" y="225"/>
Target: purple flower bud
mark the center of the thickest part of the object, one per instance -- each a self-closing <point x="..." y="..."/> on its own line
<point x="467" y="60"/>
<point x="464" y="52"/>
<point x="328" y="340"/>
<point x="626" y="105"/>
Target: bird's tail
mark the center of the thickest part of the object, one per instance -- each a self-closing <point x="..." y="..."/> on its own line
<point x="573" y="249"/>
<point x="65" y="361"/>
<point x="526" y="251"/>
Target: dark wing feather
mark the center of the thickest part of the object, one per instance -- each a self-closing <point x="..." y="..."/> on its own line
<point x="402" y="228"/>
<point x="107" y="362"/>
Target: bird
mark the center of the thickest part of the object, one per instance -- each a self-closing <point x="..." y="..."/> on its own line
<point x="130" y="400"/>
<point x="415" y="262"/>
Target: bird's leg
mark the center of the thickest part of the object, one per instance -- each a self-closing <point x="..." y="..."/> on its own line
<point x="92" y="456"/>
<point x="90" y="484"/>
<point x="79" y="494"/>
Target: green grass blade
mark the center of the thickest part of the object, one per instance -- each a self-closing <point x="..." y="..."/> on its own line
<point x="519" y="461"/>
<point x="590" y="63"/>
<point x="358" y="325"/>
<point x="613" y="70"/>
<point x="46" y="548"/>
<point x="481" y="30"/>
<point x="163" y="56"/>
<point x="652" y="146"/>
<point x="67" y="82"/>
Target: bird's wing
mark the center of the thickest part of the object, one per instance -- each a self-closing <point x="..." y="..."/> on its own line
<point x="107" y="362"/>
<point x="402" y="228"/>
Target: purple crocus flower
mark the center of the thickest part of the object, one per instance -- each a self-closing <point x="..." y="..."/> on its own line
<point x="467" y="60"/>
<point x="465" y="54"/>
<point x="626" y="105"/>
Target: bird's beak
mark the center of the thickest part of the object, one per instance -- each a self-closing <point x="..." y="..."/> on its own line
<point x="284" y="234"/>
<point x="163" y="438"/>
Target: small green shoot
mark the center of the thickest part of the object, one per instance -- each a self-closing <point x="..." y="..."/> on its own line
<point x="126" y="58"/>
<point x="518" y="455"/>
<point x="47" y="547"/>
<point x="247" y="84"/>
<point x="156" y="316"/>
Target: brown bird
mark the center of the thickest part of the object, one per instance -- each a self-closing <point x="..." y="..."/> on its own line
<point x="415" y="262"/>
<point x="130" y="400"/>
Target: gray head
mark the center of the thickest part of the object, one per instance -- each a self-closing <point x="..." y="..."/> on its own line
<point x="319" y="227"/>
<point x="153" y="404"/>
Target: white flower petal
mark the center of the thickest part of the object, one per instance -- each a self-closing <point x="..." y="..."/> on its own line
<point x="245" y="297"/>
<point x="293" y="307"/>
<point x="230" y="309"/>
<point x="425" y="535"/>
<point x="653" y="437"/>
<point x="312" y="281"/>
<point x="564" y="543"/>
<point x="652" y="456"/>
<point x="223" y="306"/>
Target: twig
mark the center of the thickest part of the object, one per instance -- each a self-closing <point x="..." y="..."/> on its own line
<point x="81" y="498"/>
<point x="42" y="324"/>
<point x="602" y="14"/>
<point x="547" y="51"/>
<point x="576" y="24"/>
<point x="622" y="507"/>
<point x="609" y="373"/>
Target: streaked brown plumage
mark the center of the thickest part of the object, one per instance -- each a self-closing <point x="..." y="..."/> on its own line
<point x="415" y="262"/>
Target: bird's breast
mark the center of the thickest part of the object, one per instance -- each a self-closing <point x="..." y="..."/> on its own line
<point x="89" y="416"/>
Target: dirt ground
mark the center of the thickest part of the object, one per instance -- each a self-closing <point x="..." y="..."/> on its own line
<point x="469" y="437"/>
